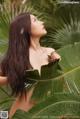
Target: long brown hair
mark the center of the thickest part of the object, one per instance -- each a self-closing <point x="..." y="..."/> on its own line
<point x="16" y="60"/>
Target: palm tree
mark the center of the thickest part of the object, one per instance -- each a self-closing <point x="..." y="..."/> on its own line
<point x="58" y="87"/>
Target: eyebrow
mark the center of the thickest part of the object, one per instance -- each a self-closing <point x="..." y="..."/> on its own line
<point x="34" y="17"/>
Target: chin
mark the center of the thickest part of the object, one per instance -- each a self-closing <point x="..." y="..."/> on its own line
<point x="44" y="32"/>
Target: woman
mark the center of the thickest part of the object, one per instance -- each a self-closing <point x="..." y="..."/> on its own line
<point x="24" y="52"/>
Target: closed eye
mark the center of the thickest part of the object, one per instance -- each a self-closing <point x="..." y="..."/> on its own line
<point x="35" y="19"/>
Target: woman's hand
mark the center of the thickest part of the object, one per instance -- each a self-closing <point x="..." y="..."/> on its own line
<point x="54" y="56"/>
<point x="3" y="80"/>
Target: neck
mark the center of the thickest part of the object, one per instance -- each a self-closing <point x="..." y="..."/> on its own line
<point x="35" y="44"/>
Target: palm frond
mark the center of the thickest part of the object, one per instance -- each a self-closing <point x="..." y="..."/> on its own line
<point x="65" y="28"/>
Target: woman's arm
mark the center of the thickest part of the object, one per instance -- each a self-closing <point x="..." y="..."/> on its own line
<point x="3" y="80"/>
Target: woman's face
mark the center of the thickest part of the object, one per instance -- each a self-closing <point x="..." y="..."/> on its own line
<point x="37" y="27"/>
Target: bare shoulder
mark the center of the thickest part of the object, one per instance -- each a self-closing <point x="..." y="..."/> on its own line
<point x="49" y="50"/>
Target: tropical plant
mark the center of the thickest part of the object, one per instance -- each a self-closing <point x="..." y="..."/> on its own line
<point x="58" y="92"/>
<point x="67" y="28"/>
<point x="57" y="89"/>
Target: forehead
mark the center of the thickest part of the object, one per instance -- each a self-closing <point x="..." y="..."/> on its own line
<point x="32" y="16"/>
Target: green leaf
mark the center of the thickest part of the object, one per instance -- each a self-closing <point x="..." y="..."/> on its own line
<point x="44" y="80"/>
<point x="55" y="107"/>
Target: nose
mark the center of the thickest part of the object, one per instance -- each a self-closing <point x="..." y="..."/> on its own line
<point x="42" y="23"/>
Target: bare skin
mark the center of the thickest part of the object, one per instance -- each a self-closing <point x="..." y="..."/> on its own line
<point x="3" y="80"/>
